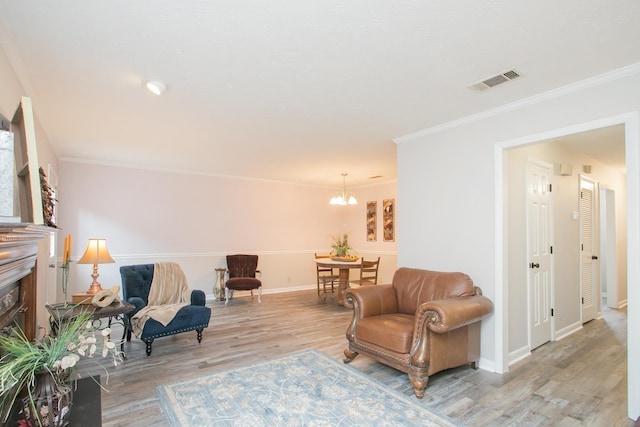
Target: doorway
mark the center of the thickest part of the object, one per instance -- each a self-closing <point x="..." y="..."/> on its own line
<point x="509" y="317"/>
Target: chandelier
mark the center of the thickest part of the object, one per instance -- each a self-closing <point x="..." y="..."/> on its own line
<point x="345" y="197"/>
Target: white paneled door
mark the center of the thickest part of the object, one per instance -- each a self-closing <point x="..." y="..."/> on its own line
<point x="539" y="266"/>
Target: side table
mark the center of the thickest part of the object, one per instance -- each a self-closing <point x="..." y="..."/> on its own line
<point x="114" y="312"/>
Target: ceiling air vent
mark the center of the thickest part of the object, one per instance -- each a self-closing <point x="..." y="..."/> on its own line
<point x="495" y="80"/>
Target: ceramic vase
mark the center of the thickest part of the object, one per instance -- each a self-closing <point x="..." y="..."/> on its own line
<point x="218" y="289"/>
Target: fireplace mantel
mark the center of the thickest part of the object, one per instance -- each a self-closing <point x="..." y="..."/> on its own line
<point x="22" y="232"/>
<point x="18" y="256"/>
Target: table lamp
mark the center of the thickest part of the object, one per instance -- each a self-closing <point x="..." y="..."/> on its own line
<point x="96" y="253"/>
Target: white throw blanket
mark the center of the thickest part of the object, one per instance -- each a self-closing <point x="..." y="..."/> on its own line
<point x="168" y="294"/>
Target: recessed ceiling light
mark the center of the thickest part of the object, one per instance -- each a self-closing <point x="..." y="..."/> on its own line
<point x="155" y="86"/>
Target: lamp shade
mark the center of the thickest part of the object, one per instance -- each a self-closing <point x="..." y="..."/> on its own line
<point x="96" y="253"/>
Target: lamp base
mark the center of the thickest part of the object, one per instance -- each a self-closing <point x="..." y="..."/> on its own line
<point x="84" y="298"/>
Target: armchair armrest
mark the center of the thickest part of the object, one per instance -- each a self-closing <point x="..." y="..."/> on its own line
<point x="137" y="302"/>
<point x="198" y="297"/>
<point x="452" y="313"/>
<point x="372" y="300"/>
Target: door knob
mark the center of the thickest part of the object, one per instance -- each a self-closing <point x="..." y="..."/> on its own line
<point x="594" y="257"/>
<point x="536" y="265"/>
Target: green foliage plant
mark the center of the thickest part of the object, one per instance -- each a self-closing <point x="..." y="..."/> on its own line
<point x="22" y="360"/>
<point x="340" y="245"/>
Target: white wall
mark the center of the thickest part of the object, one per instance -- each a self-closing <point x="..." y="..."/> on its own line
<point x="451" y="185"/>
<point x="195" y="220"/>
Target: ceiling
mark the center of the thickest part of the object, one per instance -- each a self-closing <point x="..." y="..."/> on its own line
<point x="294" y="91"/>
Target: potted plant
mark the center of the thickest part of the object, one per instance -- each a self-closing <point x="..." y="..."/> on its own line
<point x="340" y="245"/>
<point x="48" y="367"/>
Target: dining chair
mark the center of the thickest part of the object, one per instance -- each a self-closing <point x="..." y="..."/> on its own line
<point x="325" y="275"/>
<point x="368" y="273"/>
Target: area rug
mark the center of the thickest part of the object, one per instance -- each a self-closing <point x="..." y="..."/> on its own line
<point x="307" y="388"/>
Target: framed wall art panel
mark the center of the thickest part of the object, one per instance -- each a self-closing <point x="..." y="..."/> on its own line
<point x="372" y="229"/>
<point x="388" y="220"/>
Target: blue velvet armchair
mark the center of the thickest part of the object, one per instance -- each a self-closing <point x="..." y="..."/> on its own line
<point x="136" y="284"/>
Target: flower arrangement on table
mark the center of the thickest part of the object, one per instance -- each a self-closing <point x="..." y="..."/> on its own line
<point x="341" y="247"/>
<point x="23" y="362"/>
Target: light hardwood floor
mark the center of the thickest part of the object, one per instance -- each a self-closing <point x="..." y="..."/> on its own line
<point x="580" y="380"/>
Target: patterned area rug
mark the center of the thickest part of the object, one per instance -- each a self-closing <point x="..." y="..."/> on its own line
<point x="302" y="389"/>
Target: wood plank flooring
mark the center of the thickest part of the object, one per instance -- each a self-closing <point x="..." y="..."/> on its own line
<point x="577" y="381"/>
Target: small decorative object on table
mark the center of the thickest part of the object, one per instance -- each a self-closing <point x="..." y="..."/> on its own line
<point x="45" y="369"/>
<point x="346" y="258"/>
<point x="340" y="245"/>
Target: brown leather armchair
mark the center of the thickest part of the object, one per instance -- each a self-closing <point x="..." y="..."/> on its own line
<point x="421" y="323"/>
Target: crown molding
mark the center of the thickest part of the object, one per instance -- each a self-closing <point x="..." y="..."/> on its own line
<point x="532" y="100"/>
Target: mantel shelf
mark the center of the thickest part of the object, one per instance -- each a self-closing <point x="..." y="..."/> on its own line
<point x="23" y="232"/>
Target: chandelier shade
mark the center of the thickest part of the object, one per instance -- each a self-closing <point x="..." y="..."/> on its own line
<point x="344" y="197"/>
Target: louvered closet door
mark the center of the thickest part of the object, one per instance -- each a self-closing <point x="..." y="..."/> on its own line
<point x="587" y="247"/>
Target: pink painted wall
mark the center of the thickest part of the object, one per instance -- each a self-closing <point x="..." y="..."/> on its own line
<point x="150" y="215"/>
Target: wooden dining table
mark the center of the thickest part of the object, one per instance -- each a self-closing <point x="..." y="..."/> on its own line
<point x="343" y="273"/>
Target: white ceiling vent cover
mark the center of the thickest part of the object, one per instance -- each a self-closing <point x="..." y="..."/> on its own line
<point x="492" y="81"/>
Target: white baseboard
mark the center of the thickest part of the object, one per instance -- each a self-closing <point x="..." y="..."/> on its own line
<point x="519" y="354"/>
<point x="565" y="332"/>
<point x="212" y="298"/>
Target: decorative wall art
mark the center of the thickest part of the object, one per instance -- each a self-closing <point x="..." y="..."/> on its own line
<point x="372" y="229"/>
<point x="388" y="220"/>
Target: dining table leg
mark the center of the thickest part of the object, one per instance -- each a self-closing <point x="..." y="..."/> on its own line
<point x="343" y="283"/>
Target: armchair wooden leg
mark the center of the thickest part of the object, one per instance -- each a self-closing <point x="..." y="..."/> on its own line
<point x="419" y="384"/>
<point x="148" y="349"/>
<point x="349" y="355"/>
<point x="199" y="332"/>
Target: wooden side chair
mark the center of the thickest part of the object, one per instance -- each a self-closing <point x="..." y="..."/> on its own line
<point x="368" y="273"/>
<point x="325" y="275"/>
